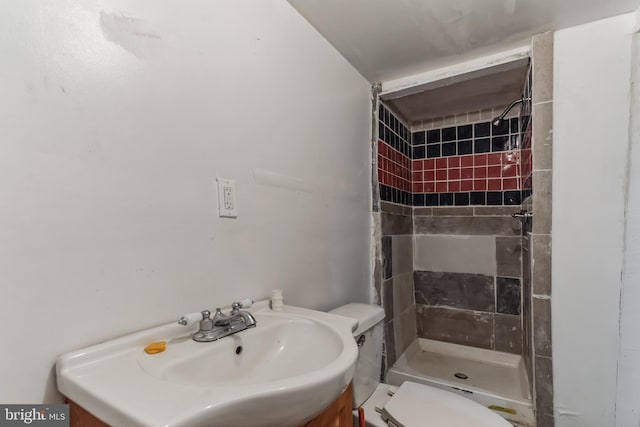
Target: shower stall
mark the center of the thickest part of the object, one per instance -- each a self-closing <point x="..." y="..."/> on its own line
<point x="461" y="213"/>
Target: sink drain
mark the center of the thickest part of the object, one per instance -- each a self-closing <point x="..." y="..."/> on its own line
<point x="239" y="349"/>
<point x="461" y="375"/>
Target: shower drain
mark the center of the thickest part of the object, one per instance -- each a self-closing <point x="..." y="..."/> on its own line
<point x="461" y="375"/>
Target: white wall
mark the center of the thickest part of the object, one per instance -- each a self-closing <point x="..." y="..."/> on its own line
<point x="115" y="119"/>
<point x="591" y="123"/>
<point x="628" y="398"/>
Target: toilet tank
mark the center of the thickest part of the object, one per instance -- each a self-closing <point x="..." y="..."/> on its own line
<point x="368" y="335"/>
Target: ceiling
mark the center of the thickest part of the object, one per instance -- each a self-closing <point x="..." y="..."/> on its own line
<point x="389" y="39"/>
<point x="496" y="89"/>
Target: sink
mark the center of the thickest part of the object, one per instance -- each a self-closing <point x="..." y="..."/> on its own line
<point x="275" y="351"/>
<point x="283" y="372"/>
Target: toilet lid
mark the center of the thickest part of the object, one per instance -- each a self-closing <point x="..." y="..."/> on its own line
<point x="418" y="405"/>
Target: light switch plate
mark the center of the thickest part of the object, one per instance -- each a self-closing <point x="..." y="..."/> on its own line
<point x="227" y="197"/>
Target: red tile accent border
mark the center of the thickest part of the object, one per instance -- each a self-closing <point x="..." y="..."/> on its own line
<point x="394" y="168"/>
<point x="473" y="172"/>
<point x="502" y="171"/>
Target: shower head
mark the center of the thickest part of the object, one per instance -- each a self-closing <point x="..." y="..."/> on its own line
<point x="498" y="120"/>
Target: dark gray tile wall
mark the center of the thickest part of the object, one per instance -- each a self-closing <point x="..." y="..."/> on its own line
<point x="508" y="333"/>
<point x="387" y="298"/>
<point x="467" y="225"/>
<point x="541" y="270"/>
<point x="537" y="236"/>
<point x="544" y="387"/>
<point x="476" y="309"/>
<point x="396" y="224"/>
<point x="387" y="257"/>
<point x="456" y="326"/>
<point x="458" y="290"/>
<point x="542" y="327"/>
<point x="527" y="319"/>
<point x="450" y="306"/>
<point x="505" y="211"/>
<point x="509" y="256"/>
<point x="508" y="295"/>
<point x="396" y="293"/>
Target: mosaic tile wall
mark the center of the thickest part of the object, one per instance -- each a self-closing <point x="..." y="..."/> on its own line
<point x="472" y="164"/>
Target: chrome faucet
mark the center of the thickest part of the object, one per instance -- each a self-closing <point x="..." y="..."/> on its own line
<point x="223" y="325"/>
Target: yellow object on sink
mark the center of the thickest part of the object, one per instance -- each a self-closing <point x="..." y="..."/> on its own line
<point x="156" y="347"/>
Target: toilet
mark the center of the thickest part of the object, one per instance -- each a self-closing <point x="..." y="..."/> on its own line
<point x="411" y="404"/>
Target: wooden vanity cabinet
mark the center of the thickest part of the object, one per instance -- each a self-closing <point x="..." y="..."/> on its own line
<point x="336" y="415"/>
<point x="80" y="417"/>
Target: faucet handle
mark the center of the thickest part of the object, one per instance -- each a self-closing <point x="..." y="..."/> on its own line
<point x="189" y="319"/>
<point x="206" y="324"/>
<point x="245" y="303"/>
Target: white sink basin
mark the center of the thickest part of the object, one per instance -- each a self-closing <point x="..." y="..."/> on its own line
<point x="281" y="373"/>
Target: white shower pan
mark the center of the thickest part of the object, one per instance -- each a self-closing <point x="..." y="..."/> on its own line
<point x="494" y="379"/>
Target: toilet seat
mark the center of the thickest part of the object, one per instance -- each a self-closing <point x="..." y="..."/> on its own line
<point x="418" y="405"/>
